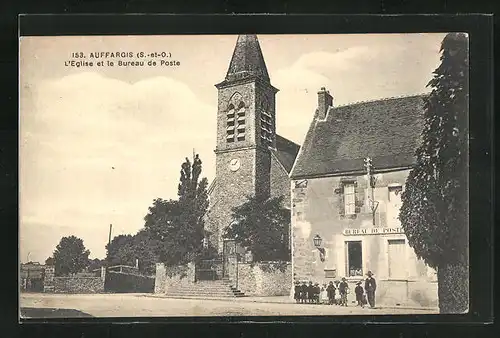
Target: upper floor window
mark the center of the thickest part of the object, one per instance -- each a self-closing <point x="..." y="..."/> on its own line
<point x="349" y="199"/>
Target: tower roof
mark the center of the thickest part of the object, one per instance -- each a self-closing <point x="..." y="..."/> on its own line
<point x="247" y="60"/>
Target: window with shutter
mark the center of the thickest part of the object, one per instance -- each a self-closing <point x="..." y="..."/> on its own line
<point x="340" y="193"/>
<point x="349" y="199"/>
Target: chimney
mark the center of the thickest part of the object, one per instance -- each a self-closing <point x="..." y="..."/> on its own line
<point x="325" y="100"/>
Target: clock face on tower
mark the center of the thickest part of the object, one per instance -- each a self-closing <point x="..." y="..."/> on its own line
<point x="234" y="164"/>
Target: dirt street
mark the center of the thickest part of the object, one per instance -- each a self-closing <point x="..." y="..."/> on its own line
<point x="140" y="305"/>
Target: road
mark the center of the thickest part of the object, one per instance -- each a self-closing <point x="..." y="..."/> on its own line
<point x="140" y="305"/>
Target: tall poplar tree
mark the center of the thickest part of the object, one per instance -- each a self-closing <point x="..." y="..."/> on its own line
<point x="178" y="225"/>
<point x="434" y="212"/>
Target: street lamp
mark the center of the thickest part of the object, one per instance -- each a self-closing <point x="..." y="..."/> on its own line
<point x="317" y="243"/>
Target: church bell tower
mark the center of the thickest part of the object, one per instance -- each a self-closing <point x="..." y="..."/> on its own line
<point x="246" y="127"/>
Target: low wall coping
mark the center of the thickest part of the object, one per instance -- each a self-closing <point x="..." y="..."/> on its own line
<point x="77" y="277"/>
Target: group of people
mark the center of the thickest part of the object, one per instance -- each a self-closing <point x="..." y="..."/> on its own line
<point x="327" y="294"/>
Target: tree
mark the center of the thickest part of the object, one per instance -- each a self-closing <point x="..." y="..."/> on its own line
<point x="121" y="251"/>
<point x="193" y="205"/>
<point x="262" y="226"/>
<point x="146" y="250"/>
<point x="177" y="225"/>
<point x="70" y="256"/>
<point x="434" y="205"/>
<point x="95" y="264"/>
<point x="49" y="261"/>
<point x="126" y="249"/>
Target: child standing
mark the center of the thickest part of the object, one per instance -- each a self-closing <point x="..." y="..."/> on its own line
<point x="343" y="289"/>
<point x="359" y="294"/>
<point x="337" y="295"/>
<point x="317" y="293"/>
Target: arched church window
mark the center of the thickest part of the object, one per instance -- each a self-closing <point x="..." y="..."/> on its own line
<point x="266" y="124"/>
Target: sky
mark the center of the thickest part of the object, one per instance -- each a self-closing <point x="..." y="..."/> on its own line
<point x="99" y="144"/>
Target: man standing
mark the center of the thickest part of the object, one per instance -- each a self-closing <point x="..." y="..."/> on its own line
<point x="310" y="292"/>
<point x="297" y="290"/>
<point x="303" y="293"/>
<point x="331" y="293"/>
<point x="370" y="287"/>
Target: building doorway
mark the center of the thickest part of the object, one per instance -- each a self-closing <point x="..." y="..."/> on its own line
<point x="354" y="258"/>
<point x="397" y="259"/>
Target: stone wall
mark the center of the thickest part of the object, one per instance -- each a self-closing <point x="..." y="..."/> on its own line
<point x="264" y="279"/>
<point x="78" y="285"/>
<point x="167" y="277"/>
<point x="160" y="278"/>
<point x="73" y="284"/>
<point x="48" y="281"/>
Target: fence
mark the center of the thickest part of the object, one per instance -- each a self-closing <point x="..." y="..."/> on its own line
<point x="208" y="269"/>
<point x="126" y="282"/>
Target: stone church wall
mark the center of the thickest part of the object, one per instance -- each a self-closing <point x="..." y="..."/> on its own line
<point x="231" y="190"/>
<point x="262" y="173"/>
<point x="280" y="182"/>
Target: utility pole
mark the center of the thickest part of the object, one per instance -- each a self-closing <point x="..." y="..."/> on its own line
<point x="109" y="238"/>
<point x="371" y="181"/>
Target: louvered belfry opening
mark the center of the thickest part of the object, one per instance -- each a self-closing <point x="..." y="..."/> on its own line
<point x="266" y="124"/>
<point x="236" y="123"/>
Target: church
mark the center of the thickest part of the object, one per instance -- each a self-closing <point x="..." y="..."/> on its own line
<point x="342" y="185"/>
<point x="251" y="158"/>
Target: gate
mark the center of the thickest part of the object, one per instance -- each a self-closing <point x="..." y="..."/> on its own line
<point x="208" y="269"/>
<point x="32" y="277"/>
<point x="228" y="250"/>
